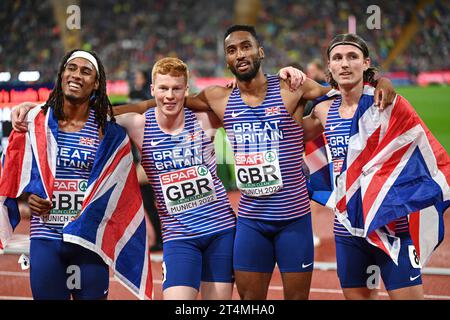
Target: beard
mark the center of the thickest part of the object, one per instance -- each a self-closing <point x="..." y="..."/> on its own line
<point x="250" y="73"/>
<point x="74" y="99"/>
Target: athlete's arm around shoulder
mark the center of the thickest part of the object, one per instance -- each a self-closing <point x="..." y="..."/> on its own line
<point x="314" y="123"/>
<point x="195" y="102"/>
<point x="137" y="107"/>
<point x="212" y="98"/>
<point x="134" y="123"/>
<point x="209" y="122"/>
<point x="310" y="90"/>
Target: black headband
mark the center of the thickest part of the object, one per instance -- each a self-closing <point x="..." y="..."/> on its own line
<point x="345" y="43"/>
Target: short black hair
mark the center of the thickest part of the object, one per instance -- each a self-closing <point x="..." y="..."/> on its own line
<point x="242" y="27"/>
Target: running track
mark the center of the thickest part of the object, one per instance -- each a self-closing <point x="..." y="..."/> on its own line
<point x="14" y="283"/>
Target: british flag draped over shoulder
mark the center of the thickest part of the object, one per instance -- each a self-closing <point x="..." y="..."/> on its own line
<point x="394" y="168"/>
<point x="318" y="162"/>
<point x="111" y="222"/>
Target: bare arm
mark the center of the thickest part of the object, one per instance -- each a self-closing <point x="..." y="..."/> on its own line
<point x="384" y="91"/>
<point x="312" y="90"/>
<point x="142" y="176"/>
<point x="198" y="102"/>
<point x="213" y="98"/>
<point x="134" y="123"/>
<point x="312" y="127"/>
<point x="209" y="123"/>
<point x="138" y="107"/>
<point x="314" y="124"/>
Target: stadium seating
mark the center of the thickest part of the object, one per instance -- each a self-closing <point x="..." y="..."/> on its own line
<point x="132" y="34"/>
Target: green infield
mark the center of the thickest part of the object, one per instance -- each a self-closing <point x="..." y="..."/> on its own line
<point x="117" y="99"/>
<point x="433" y="105"/>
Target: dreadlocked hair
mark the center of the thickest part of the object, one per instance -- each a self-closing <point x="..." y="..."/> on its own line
<point x="99" y="101"/>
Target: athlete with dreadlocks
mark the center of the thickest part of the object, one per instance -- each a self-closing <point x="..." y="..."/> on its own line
<point x="178" y="157"/>
<point x="81" y="106"/>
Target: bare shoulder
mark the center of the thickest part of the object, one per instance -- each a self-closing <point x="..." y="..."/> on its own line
<point x="217" y="99"/>
<point x="290" y="98"/>
<point x="209" y="122"/>
<point x="134" y="124"/>
<point x="131" y="120"/>
<point x="320" y="111"/>
<point x="217" y="92"/>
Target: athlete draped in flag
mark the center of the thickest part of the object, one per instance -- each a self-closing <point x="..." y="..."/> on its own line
<point x="274" y="217"/>
<point x="198" y="223"/>
<point x="73" y="160"/>
<point x="349" y="68"/>
<point x="262" y="117"/>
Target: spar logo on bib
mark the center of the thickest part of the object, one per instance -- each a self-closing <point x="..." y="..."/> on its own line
<point x="82" y="186"/>
<point x="187" y="189"/>
<point x="270" y="156"/>
<point x="258" y="174"/>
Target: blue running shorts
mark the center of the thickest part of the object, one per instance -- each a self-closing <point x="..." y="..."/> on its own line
<point x="60" y="269"/>
<point x="259" y="244"/>
<point x="357" y="261"/>
<point x="187" y="262"/>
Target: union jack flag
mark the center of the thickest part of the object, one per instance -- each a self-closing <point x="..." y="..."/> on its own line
<point x="112" y="221"/>
<point x="319" y="165"/>
<point x="86" y="141"/>
<point x="394" y="168"/>
<point x="193" y="136"/>
<point x="319" y="168"/>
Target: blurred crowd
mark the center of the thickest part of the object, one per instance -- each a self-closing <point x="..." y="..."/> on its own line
<point x="131" y="35"/>
<point x="304" y="29"/>
<point x="29" y="38"/>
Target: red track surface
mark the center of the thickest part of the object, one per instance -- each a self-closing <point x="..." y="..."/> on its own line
<point x="14" y="283"/>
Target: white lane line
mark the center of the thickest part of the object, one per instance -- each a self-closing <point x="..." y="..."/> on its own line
<point x="337" y="291"/>
<point x="328" y="266"/>
<point x="14" y="274"/>
<point x="15" y="298"/>
<point x="331" y="291"/>
<point x="275" y="288"/>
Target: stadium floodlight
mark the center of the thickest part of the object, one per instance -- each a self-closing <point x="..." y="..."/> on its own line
<point x="28" y="76"/>
<point x="5" y="76"/>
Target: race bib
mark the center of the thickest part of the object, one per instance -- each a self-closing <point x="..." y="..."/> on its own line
<point x="68" y="195"/>
<point x="187" y="189"/>
<point x="337" y="166"/>
<point x="414" y="257"/>
<point x="258" y="174"/>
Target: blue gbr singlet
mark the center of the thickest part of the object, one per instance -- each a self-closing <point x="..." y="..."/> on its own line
<point x="337" y="132"/>
<point x="268" y="153"/>
<point x="181" y="168"/>
<point x="74" y="161"/>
